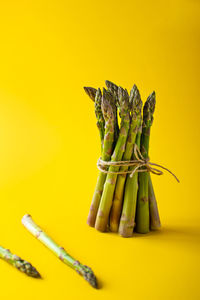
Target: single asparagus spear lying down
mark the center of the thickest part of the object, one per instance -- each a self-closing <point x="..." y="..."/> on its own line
<point x="60" y="252"/>
<point x="17" y="262"/>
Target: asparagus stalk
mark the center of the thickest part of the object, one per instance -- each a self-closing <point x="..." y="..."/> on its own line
<point x="109" y="186"/>
<point x="60" y="252"/>
<point x="113" y="89"/>
<point x="96" y="96"/>
<point x="107" y="110"/>
<point x="127" y="221"/>
<point x="99" y="116"/>
<point x="135" y="108"/>
<point x="142" y="210"/>
<point x="17" y="262"/>
<point x="153" y="208"/>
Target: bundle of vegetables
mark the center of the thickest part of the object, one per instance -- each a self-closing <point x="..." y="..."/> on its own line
<point x="124" y="199"/>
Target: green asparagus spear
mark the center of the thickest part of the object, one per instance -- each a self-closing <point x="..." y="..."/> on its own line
<point x="135" y="108"/>
<point x="109" y="186"/>
<point x="142" y="210"/>
<point x="60" y="252"/>
<point x="153" y="208"/>
<point x="99" y="116"/>
<point x="17" y="262"/>
<point x="127" y="221"/>
<point x="113" y="88"/>
<point x="107" y="110"/>
<point x="96" y="96"/>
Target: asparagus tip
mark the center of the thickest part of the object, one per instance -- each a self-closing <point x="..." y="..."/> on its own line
<point x="148" y="110"/>
<point x="110" y="84"/>
<point x="135" y="101"/>
<point x="152" y="101"/>
<point x="152" y="98"/>
<point x="91" y="92"/>
<point x="90" y="277"/>
<point x="33" y="272"/>
<point x="112" y="87"/>
<point x="24" y="266"/>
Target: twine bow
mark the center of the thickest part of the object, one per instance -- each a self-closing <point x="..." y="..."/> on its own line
<point x="141" y="164"/>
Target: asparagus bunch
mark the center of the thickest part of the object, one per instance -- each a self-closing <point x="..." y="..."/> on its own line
<point x="60" y="252"/>
<point x="122" y="201"/>
<point x="19" y="263"/>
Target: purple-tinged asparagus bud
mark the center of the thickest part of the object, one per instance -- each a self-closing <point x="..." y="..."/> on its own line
<point x="148" y="110"/>
<point x="91" y="92"/>
<point x="135" y="102"/>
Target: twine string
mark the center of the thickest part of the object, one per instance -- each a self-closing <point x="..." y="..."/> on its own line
<point x="141" y="164"/>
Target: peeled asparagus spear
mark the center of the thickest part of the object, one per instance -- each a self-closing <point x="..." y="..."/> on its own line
<point x="109" y="186"/>
<point x="142" y="210"/>
<point x="127" y="220"/>
<point x="17" y="262"/>
<point x="108" y="114"/>
<point x="135" y="109"/>
<point x="153" y="207"/>
<point x="60" y="252"/>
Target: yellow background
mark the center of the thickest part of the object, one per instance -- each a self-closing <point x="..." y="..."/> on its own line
<point x="49" y="147"/>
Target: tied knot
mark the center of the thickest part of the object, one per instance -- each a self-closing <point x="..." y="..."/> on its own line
<point x="140" y="164"/>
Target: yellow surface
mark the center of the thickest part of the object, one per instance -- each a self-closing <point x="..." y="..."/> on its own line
<point x="49" y="142"/>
